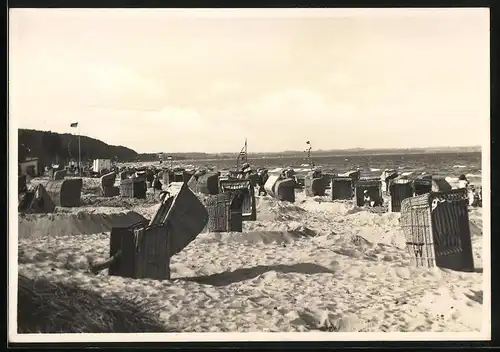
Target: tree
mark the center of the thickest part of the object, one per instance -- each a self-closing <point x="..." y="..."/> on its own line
<point x="51" y="143"/>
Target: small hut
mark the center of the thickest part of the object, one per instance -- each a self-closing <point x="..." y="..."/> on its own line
<point x="372" y="186"/>
<point x="107" y="185"/>
<point x="285" y="190"/>
<point x="342" y="188"/>
<point x="144" y="250"/>
<point x="133" y="188"/>
<point x="436" y="227"/>
<point x="65" y="193"/>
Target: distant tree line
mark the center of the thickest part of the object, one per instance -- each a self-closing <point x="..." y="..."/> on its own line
<point x="50" y="147"/>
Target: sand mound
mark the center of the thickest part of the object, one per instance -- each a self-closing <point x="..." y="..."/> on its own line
<point x="73" y="224"/>
<point x="46" y="306"/>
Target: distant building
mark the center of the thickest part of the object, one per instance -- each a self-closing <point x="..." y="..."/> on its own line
<point x="30" y="167"/>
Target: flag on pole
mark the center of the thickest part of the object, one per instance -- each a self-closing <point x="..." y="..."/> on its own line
<point x="74" y="124"/>
<point x="308" y="142"/>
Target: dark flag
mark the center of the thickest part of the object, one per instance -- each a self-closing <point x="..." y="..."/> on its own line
<point x="74" y="124"/>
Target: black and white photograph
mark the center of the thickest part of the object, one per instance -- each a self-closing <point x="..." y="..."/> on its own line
<point x="249" y="174"/>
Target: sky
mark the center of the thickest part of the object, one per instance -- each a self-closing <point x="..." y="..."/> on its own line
<point x="158" y="80"/>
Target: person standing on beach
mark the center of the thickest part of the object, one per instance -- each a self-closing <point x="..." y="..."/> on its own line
<point x="462" y="181"/>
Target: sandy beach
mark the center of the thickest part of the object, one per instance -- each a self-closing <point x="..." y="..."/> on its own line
<point x="308" y="266"/>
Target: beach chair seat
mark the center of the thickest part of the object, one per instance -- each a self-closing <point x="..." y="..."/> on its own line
<point x="437" y="231"/>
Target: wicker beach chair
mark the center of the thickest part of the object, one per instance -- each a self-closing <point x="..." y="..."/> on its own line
<point x="270" y="184"/>
<point x="399" y="190"/>
<point x="241" y="189"/>
<point x="285" y="190"/>
<point x="65" y="193"/>
<point x="437" y="231"/>
<point x="439" y="184"/>
<point x="208" y="183"/>
<point x="36" y="201"/>
<point x="133" y="188"/>
<point x="372" y="185"/>
<point x="143" y="250"/>
<point x="224" y="212"/>
<point x="314" y="185"/>
<point x="422" y="186"/>
<point x="59" y="175"/>
<point x="342" y="188"/>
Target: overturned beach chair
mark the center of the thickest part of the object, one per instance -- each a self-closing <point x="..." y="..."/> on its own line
<point x="224" y="212"/>
<point x="341" y="188"/>
<point x="372" y="185"/>
<point x="315" y="186"/>
<point x="242" y="189"/>
<point x="36" y="201"/>
<point x="143" y="250"/>
<point x="65" y="193"/>
<point x="108" y="187"/>
<point x="133" y="188"/>
<point x="436" y="227"/>
<point x="399" y="189"/>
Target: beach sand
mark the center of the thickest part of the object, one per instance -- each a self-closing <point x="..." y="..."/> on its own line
<point x="311" y="265"/>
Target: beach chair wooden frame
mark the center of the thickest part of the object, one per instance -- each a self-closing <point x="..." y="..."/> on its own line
<point x="245" y="188"/>
<point x="437" y="231"/>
